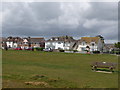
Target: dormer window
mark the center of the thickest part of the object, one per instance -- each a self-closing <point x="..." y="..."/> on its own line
<point x="56" y="39"/>
<point x="92" y="43"/>
<point x="59" y="42"/>
<point x="83" y="43"/>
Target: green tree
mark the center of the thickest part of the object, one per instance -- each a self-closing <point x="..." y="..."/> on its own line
<point x="117" y="45"/>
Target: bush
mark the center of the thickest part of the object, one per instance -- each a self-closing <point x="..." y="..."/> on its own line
<point x="96" y="52"/>
<point x="75" y="51"/>
<point x="39" y="49"/>
<point x="86" y="50"/>
<point x="117" y="52"/>
<point x="61" y="50"/>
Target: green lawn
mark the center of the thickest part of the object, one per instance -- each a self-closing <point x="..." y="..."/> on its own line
<point x="59" y="70"/>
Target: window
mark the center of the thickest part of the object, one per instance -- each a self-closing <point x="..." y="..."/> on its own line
<point x="48" y="43"/>
<point x="83" y="49"/>
<point x="59" y="42"/>
<point x="68" y="44"/>
<point x="59" y="48"/>
<point x="93" y="44"/>
<point x="83" y="43"/>
<point x="56" y="39"/>
<point x="9" y="46"/>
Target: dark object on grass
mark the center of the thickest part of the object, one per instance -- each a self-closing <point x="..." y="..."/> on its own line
<point x="35" y="77"/>
<point x="109" y="65"/>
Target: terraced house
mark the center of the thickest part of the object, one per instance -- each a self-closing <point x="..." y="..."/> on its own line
<point x="62" y="42"/>
<point x="32" y="42"/>
<point x="14" y="42"/>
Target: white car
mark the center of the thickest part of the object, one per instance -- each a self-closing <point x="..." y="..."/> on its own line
<point x="47" y="50"/>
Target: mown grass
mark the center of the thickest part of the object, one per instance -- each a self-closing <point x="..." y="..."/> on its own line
<point x="67" y="70"/>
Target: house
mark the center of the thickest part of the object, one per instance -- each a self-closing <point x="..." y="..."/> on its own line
<point x="2" y="42"/>
<point x="13" y="42"/>
<point x="109" y="47"/>
<point x="32" y="42"/>
<point x="90" y="44"/>
<point x="62" y="42"/>
<point x="24" y="43"/>
<point x="37" y="42"/>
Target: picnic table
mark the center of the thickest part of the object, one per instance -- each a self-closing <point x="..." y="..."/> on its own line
<point x="109" y="65"/>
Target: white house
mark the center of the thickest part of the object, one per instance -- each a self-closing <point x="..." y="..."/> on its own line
<point x="24" y="43"/>
<point x="13" y="42"/>
<point x="90" y="44"/>
<point x="63" y="42"/>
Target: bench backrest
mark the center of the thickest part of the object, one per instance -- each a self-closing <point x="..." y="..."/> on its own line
<point x="104" y="64"/>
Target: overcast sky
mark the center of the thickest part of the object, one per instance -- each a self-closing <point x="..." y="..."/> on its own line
<point x="48" y="19"/>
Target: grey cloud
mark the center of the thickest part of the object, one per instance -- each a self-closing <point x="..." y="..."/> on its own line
<point x="104" y="11"/>
<point x="56" y="19"/>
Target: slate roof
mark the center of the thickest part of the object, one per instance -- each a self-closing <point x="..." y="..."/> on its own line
<point x="109" y="46"/>
<point x="61" y="38"/>
<point x="14" y="39"/>
<point x="37" y="40"/>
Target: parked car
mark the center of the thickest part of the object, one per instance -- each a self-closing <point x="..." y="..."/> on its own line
<point x="18" y="48"/>
<point x="47" y="50"/>
<point x="29" y="48"/>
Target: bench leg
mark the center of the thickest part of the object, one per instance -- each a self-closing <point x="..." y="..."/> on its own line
<point x="94" y="68"/>
<point x="111" y="69"/>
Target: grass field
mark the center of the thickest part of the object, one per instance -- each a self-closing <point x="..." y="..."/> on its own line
<point x="55" y="70"/>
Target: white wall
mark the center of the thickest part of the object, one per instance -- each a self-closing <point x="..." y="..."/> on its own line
<point x="59" y="45"/>
<point x="92" y="48"/>
<point x="100" y="45"/>
<point x="9" y="44"/>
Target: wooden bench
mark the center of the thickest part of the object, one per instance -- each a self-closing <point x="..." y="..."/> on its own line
<point x="109" y="65"/>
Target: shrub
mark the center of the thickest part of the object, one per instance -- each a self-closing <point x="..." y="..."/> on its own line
<point x="39" y="49"/>
<point x="96" y="52"/>
<point x="117" y="52"/>
<point x="75" y="51"/>
<point x="61" y="50"/>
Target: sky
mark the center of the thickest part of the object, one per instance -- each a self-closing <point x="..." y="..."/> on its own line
<point x="49" y="19"/>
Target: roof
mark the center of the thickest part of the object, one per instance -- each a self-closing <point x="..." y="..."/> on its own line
<point x="62" y="38"/>
<point x="90" y="39"/>
<point x="35" y="40"/>
<point x="14" y="39"/>
<point x="109" y="45"/>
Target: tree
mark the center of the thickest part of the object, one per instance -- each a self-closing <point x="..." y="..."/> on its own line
<point x="117" y="45"/>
